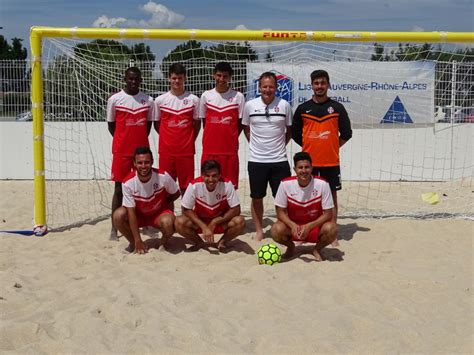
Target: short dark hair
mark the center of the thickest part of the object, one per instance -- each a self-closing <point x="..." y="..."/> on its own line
<point x="267" y="74"/>
<point x="177" y="68"/>
<point x="210" y="165"/>
<point x="319" y="74"/>
<point x="223" y="67"/>
<point x="302" y="156"/>
<point x="142" y="150"/>
<point x="133" y="70"/>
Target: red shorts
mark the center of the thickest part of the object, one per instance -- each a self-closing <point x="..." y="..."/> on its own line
<point x="179" y="167"/>
<point x="218" y="230"/>
<point x="121" y="167"/>
<point x="313" y="236"/>
<point x="229" y="166"/>
<point x="151" y="220"/>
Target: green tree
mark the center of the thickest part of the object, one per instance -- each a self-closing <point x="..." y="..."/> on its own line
<point x="12" y="51"/>
<point x="13" y="76"/>
<point x="79" y="84"/>
<point x="200" y="60"/>
<point x="378" y="53"/>
<point x="269" y="57"/>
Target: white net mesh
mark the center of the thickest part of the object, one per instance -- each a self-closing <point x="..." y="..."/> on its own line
<point x="409" y="106"/>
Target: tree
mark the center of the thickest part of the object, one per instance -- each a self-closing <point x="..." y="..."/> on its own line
<point x="13" y="75"/>
<point x="13" y="51"/>
<point x="200" y="61"/>
<point x="89" y="75"/>
<point x="379" y="51"/>
<point x="412" y="52"/>
<point x="269" y="57"/>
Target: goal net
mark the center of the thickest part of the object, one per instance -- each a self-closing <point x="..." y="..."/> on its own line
<point x="410" y="105"/>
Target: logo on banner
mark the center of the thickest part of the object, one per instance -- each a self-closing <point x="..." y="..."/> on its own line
<point x="397" y="113"/>
<point x="284" y="89"/>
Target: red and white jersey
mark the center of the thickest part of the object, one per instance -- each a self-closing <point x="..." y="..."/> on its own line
<point x="304" y="204"/>
<point x="176" y="115"/>
<point x="130" y="114"/>
<point x="210" y="204"/>
<point x="148" y="198"/>
<point x="222" y="113"/>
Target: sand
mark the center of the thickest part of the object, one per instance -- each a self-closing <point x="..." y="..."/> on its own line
<point x="392" y="286"/>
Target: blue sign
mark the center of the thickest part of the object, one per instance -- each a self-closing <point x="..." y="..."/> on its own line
<point x="284" y="89"/>
<point x="397" y="113"/>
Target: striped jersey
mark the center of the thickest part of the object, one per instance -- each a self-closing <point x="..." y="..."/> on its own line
<point x="130" y="114"/>
<point x="210" y="204"/>
<point x="221" y="113"/>
<point x="317" y="127"/>
<point x="268" y="125"/>
<point x="148" y="198"/>
<point x="176" y="115"/>
<point x="304" y="204"/>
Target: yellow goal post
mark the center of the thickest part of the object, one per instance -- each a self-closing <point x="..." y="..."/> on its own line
<point x="37" y="34"/>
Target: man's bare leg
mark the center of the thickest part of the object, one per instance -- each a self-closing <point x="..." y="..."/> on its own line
<point x="282" y="235"/>
<point x="257" y="217"/>
<point x="235" y="228"/>
<point x="166" y="225"/>
<point x="335" y="243"/>
<point x="186" y="228"/>
<point x="327" y="235"/>
<point x="120" y="219"/>
<point x="116" y="203"/>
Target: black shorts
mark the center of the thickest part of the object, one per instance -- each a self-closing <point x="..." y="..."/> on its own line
<point x="332" y="174"/>
<point x="262" y="174"/>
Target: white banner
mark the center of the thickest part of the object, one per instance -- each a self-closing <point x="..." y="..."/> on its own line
<point x="373" y="93"/>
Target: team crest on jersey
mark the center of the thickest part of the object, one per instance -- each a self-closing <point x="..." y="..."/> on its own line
<point x="314" y="192"/>
<point x="330" y="109"/>
<point x="230" y="99"/>
<point x="185" y="101"/>
<point x="277" y="109"/>
<point x="143" y="102"/>
<point x="155" y="186"/>
<point x="218" y="196"/>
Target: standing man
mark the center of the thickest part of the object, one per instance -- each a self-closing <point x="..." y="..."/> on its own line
<point x="210" y="206"/>
<point x="267" y="126"/>
<point x="221" y="112"/>
<point x="129" y="117"/>
<point x="321" y="126"/>
<point x="177" y="123"/>
<point x="304" y="208"/>
<point x="147" y="197"/>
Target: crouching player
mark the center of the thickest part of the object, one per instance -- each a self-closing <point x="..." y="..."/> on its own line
<point x="210" y="206"/>
<point x="147" y="197"/>
<point x="304" y="208"/>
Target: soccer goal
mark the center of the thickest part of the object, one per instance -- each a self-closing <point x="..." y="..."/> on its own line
<point x="409" y="96"/>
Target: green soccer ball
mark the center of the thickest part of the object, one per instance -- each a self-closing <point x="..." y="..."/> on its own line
<point x="269" y="254"/>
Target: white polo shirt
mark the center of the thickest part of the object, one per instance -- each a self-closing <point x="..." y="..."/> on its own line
<point x="268" y="125"/>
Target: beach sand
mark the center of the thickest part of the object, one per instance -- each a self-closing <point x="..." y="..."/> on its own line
<point x="392" y="286"/>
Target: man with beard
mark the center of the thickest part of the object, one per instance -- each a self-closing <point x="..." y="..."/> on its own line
<point x="304" y="209"/>
<point x="321" y="126"/>
<point x="147" y="198"/>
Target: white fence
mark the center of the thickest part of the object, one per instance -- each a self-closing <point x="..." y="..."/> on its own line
<point x="442" y="152"/>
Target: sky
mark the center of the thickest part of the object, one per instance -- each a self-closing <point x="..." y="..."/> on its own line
<point x="17" y="16"/>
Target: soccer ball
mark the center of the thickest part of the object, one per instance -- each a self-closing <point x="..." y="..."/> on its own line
<point x="269" y="254"/>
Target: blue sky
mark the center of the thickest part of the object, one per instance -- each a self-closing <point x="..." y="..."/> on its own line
<point x="17" y="16"/>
